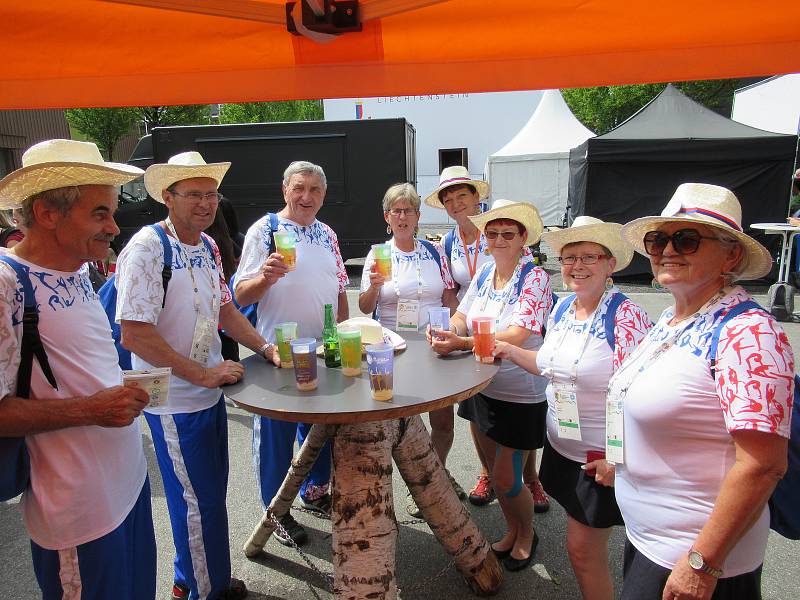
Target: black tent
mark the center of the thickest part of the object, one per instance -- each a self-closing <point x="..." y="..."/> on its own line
<point x="632" y="170"/>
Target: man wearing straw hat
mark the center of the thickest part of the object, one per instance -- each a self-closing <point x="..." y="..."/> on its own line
<point x="179" y="330"/>
<point x="87" y="504"/>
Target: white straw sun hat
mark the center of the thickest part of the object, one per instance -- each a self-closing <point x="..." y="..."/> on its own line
<point x="710" y="205"/>
<point x="56" y="164"/>
<point x="456" y="175"/>
<point x="521" y="212"/>
<point x="590" y="229"/>
<point x="186" y="165"/>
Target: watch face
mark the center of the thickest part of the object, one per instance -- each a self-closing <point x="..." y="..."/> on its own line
<point x="695" y="560"/>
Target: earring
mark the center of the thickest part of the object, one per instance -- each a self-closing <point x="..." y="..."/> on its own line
<point x="609" y="283"/>
<point x="657" y="286"/>
<point x="389" y="229"/>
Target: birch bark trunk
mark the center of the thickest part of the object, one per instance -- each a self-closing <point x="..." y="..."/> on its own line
<point x="447" y="517"/>
<point x="364" y="526"/>
<point x="282" y="502"/>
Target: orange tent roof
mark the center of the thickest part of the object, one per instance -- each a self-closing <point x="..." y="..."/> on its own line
<point x="110" y="53"/>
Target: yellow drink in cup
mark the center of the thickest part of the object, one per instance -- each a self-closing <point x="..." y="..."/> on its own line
<point x="382" y="253"/>
<point x="350" y="350"/>
<point x="380" y="365"/>
<point x="284" y="334"/>
<point x="286" y="245"/>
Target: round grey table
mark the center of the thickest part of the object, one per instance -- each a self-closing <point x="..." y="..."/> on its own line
<point x="366" y="435"/>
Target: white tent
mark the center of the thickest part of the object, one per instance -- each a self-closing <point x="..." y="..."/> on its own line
<point x="772" y="104"/>
<point x="534" y="165"/>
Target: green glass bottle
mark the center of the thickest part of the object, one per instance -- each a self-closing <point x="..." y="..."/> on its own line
<point x="330" y="339"/>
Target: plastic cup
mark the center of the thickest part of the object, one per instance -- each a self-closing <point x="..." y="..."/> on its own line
<point x="439" y="318"/>
<point x="483" y="335"/>
<point x="284" y="334"/>
<point x="286" y="245"/>
<point x="304" y="357"/>
<point x="382" y="253"/>
<point x="350" y="350"/>
<point x="380" y="365"/>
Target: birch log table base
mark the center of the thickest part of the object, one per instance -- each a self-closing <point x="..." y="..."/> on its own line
<point x="366" y="436"/>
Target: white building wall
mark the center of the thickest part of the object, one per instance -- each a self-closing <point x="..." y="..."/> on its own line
<point x="482" y="123"/>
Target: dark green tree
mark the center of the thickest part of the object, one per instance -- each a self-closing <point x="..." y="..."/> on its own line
<point x="159" y="116"/>
<point x="265" y="112"/>
<point x="104" y="126"/>
<point x="603" y="108"/>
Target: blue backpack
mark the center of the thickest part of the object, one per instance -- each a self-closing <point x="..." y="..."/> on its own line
<point x="250" y="311"/>
<point x="784" y="504"/>
<point x="15" y="465"/>
<point x="108" y="294"/>
<point x="608" y="318"/>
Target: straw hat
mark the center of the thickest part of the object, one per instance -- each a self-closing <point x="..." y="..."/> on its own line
<point x="55" y="164"/>
<point x="186" y="165"/>
<point x="710" y="205"/>
<point x="589" y="229"/>
<point x="521" y="212"/>
<point x="457" y="175"/>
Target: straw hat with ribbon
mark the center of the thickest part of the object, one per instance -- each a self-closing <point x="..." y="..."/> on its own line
<point x="54" y="164"/>
<point x="710" y="205"/>
<point x="186" y="165"/>
<point x="457" y="175"/>
<point x="589" y="229"/>
<point x="521" y="212"/>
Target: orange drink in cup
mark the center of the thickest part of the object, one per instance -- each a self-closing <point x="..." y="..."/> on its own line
<point x="382" y="253"/>
<point x="483" y="336"/>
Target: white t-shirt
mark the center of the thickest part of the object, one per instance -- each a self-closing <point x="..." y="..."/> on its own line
<point x="567" y="341"/>
<point x="405" y="283"/>
<point x="677" y="424"/>
<point x="458" y="260"/>
<point x="84" y="480"/>
<point x="529" y="310"/>
<point x="140" y="293"/>
<point x="300" y="295"/>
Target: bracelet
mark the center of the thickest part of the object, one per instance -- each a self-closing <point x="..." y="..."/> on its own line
<point x="263" y="350"/>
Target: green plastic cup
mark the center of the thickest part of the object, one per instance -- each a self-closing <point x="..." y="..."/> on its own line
<point x="350" y="350"/>
<point x="284" y="334"/>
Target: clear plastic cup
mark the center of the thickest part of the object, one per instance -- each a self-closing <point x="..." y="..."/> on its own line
<point x="483" y="336"/>
<point x="350" y="349"/>
<point x="284" y="334"/>
<point x="439" y="318"/>
<point x="382" y="253"/>
<point x="304" y="357"/>
<point x="286" y="245"/>
<point x="380" y="365"/>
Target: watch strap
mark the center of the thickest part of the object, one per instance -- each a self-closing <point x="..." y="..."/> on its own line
<point x="704" y="566"/>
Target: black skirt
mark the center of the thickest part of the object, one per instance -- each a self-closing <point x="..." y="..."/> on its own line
<point x="510" y="424"/>
<point x="582" y="497"/>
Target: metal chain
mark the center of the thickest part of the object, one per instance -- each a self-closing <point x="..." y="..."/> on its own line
<point x="316" y="513"/>
<point x="327" y="578"/>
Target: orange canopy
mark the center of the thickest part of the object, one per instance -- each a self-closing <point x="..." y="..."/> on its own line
<point x="111" y="53"/>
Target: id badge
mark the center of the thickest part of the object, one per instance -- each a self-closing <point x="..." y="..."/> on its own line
<point x="569" y="425"/>
<point x="615" y="445"/>
<point x="407" y="315"/>
<point x="204" y="329"/>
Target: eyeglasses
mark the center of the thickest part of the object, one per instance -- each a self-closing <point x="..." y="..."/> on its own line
<point x="396" y="212"/>
<point x="587" y="259"/>
<point x="197" y="196"/>
<point x="506" y="235"/>
<point x="684" y="241"/>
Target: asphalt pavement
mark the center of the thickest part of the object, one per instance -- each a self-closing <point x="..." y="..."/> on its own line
<point x="423" y="569"/>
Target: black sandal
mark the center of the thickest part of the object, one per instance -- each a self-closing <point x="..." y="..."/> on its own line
<point x="236" y="590"/>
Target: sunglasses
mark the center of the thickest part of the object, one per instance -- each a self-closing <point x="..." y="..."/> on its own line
<point x="684" y="241"/>
<point x="506" y="235"/>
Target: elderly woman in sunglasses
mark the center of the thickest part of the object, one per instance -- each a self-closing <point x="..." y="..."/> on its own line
<point x="420" y="281"/>
<point x="509" y="414"/>
<point x="699" y="414"/>
<point x="589" y="334"/>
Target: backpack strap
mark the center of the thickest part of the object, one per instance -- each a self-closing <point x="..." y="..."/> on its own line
<point x="166" y="270"/>
<point x="732" y="312"/>
<point x="610" y="318"/>
<point x="449" y="238"/>
<point x="562" y="308"/>
<point x="487" y="268"/>
<point x="432" y="250"/>
<point x="31" y="340"/>
<point x="523" y="273"/>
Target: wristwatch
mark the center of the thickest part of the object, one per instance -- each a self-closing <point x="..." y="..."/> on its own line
<point x="263" y="350"/>
<point x="698" y="563"/>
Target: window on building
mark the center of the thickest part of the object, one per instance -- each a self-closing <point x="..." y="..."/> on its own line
<point x="6" y="162"/>
<point x="451" y="157"/>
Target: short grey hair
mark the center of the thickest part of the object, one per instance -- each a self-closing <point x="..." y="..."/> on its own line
<point x="736" y="272"/>
<point x="60" y="199"/>
<point x="401" y="191"/>
<point x="305" y="167"/>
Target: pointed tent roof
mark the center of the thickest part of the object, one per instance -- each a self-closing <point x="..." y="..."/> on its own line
<point x="673" y="115"/>
<point x="552" y="128"/>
